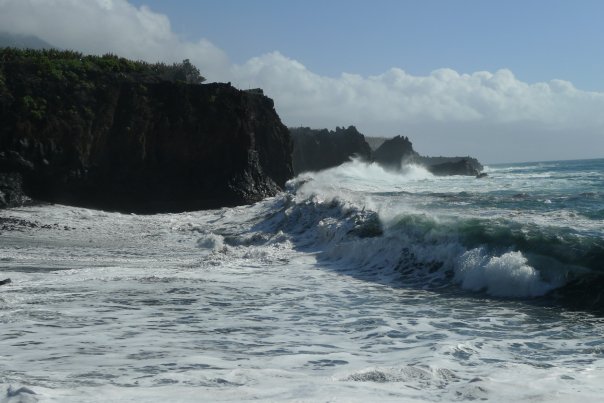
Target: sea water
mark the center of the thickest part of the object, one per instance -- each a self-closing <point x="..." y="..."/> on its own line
<point x="354" y="284"/>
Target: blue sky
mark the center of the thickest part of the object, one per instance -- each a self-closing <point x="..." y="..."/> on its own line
<point x="504" y="81"/>
<point x="537" y="40"/>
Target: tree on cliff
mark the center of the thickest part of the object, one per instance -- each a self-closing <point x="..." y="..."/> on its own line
<point x="71" y="65"/>
<point x="191" y="73"/>
<point x="184" y="71"/>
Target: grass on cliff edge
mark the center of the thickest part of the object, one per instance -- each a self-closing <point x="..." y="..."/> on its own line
<point x="68" y="64"/>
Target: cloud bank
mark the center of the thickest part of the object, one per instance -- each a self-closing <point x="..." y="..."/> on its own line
<point x="492" y="115"/>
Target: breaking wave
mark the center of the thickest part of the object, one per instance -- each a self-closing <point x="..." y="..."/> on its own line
<point x="410" y="247"/>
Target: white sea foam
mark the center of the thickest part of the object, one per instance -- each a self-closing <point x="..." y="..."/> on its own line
<point x="358" y="177"/>
<point x="508" y="275"/>
<point x="259" y="319"/>
<point x="211" y="241"/>
<point x="343" y="291"/>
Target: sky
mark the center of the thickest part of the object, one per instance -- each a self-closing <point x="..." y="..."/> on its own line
<point x="504" y="81"/>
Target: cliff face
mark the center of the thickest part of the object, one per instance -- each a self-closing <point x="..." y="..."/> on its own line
<point x="91" y="137"/>
<point x="315" y="150"/>
<point x="392" y="152"/>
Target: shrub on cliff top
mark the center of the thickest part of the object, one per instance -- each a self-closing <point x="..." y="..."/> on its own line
<point x="57" y="63"/>
<point x="40" y="90"/>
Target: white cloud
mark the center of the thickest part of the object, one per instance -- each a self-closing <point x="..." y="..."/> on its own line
<point x="444" y="95"/>
<point x="492" y="115"/>
<point x="108" y="26"/>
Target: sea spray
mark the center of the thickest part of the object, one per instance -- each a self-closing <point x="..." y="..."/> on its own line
<point x="507" y="275"/>
<point x="503" y="256"/>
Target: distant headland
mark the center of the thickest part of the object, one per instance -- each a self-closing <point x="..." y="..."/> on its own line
<point x="317" y="149"/>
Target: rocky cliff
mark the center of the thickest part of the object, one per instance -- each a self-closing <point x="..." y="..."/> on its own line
<point x="394" y="152"/>
<point x="315" y="150"/>
<point x="109" y="133"/>
<point x="399" y="150"/>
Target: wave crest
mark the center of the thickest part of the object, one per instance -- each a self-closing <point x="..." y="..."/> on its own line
<point x="508" y="275"/>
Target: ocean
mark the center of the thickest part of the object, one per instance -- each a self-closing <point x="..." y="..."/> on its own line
<point x="355" y="284"/>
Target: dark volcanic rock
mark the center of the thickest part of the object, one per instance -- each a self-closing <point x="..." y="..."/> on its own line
<point x="11" y="190"/>
<point x="315" y="150"/>
<point x="112" y="141"/>
<point x="11" y="161"/>
<point x="460" y="167"/>
<point x="393" y="152"/>
<point x="399" y="150"/>
<point x="432" y="161"/>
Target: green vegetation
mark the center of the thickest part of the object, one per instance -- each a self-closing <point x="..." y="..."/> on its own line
<point x="48" y="92"/>
<point x="36" y="107"/>
<point x="71" y="65"/>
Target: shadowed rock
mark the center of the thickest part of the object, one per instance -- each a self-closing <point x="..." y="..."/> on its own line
<point x="393" y="152"/>
<point x="315" y="150"/>
<point x="85" y="135"/>
<point x="460" y="167"/>
<point x="399" y="150"/>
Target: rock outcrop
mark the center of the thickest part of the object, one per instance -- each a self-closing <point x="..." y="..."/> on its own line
<point x="399" y="150"/>
<point x="394" y="152"/>
<point x="315" y="150"/>
<point x="11" y="190"/>
<point x="463" y="166"/>
<point x="106" y="134"/>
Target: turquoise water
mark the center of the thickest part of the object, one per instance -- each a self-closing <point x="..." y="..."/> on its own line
<point x="525" y="230"/>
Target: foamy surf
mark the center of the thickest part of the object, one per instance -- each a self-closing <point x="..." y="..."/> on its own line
<point x="351" y="286"/>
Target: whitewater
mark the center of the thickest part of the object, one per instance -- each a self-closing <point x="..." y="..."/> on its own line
<point x="355" y="284"/>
